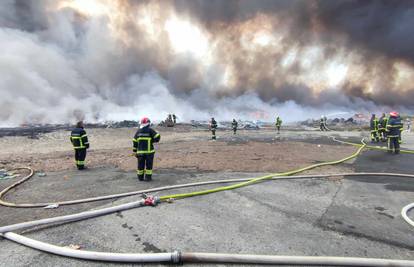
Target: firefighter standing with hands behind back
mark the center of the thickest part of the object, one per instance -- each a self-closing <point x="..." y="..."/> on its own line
<point x="143" y="143"/>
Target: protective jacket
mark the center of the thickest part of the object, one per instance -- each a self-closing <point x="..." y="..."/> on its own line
<point x="144" y="139"/>
<point x="234" y="124"/>
<point x="373" y="124"/>
<point x="213" y="124"/>
<point x="278" y="121"/>
<point x="79" y="139"/>
<point x="394" y="127"/>
<point x="382" y="123"/>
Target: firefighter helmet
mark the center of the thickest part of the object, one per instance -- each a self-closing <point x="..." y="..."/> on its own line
<point x="394" y="114"/>
<point x="144" y="122"/>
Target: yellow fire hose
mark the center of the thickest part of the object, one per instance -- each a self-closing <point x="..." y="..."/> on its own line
<point x="370" y="147"/>
<point x="260" y="179"/>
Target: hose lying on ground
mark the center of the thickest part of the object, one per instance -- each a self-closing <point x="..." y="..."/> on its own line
<point x="404" y="213"/>
<point x="260" y="179"/>
<point x="164" y="188"/>
<point x="194" y="257"/>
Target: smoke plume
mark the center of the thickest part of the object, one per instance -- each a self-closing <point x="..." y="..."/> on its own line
<point x="100" y="60"/>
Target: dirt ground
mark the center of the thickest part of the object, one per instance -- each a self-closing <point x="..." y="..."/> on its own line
<point x="182" y="148"/>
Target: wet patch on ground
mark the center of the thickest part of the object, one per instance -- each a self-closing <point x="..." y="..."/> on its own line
<point x="381" y="161"/>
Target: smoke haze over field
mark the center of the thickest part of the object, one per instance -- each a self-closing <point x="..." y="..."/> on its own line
<point x="113" y="60"/>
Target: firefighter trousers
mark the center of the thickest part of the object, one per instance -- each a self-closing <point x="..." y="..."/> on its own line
<point x="393" y="144"/>
<point x="374" y="136"/>
<point x="145" y="163"/>
<point x="382" y="134"/>
<point x="80" y="156"/>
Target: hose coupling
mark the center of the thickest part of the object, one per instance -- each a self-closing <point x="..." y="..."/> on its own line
<point x="176" y="257"/>
<point x="151" y="200"/>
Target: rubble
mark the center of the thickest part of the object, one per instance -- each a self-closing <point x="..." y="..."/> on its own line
<point x="122" y="124"/>
<point x="246" y="125"/>
<point x="170" y="121"/>
<point x="33" y="131"/>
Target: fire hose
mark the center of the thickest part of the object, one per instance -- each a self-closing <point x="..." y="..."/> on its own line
<point x="194" y="257"/>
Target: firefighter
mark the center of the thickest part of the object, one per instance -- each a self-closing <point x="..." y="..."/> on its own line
<point x="373" y="126"/>
<point x="174" y="118"/>
<point x="401" y="130"/>
<point x="382" y="124"/>
<point x="213" y="128"/>
<point x="234" y="125"/>
<point x="80" y="143"/>
<point x="394" y="128"/>
<point x="322" y="124"/>
<point x="143" y="147"/>
<point x="278" y="124"/>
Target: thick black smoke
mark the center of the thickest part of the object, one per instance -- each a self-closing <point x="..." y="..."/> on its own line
<point x="58" y="61"/>
<point x="380" y="30"/>
<point x="383" y="26"/>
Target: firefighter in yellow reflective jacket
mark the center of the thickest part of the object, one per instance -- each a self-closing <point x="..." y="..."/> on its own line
<point x="373" y="125"/>
<point x="382" y="124"/>
<point x="80" y="143"/>
<point x="213" y="128"/>
<point x="278" y="124"/>
<point x="143" y="147"/>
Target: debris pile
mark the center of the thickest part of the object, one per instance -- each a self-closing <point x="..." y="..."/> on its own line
<point x="120" y="124"/>
<point x="170" y="121"/>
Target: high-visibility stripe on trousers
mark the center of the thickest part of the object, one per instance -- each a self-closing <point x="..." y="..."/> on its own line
<point x="145" y="164"/>
<point x="80" y="156"/>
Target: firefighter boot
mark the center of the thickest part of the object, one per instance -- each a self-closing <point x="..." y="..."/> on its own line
<point x="148" y="175"/>
<point x="140" y="175"/>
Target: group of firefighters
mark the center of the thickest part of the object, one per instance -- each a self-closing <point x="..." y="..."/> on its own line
<point x="234" y="125"/>
<point x="387" y="129"/>
<point x="142" y="147"/>
<point x="383" y="129"/>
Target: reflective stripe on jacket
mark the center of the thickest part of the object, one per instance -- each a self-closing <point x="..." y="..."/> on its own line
<point x="373" y="124"/>
<point x="394" y="127"/>
<point x="144" y="139"/>
<point x="79" y="139"/>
